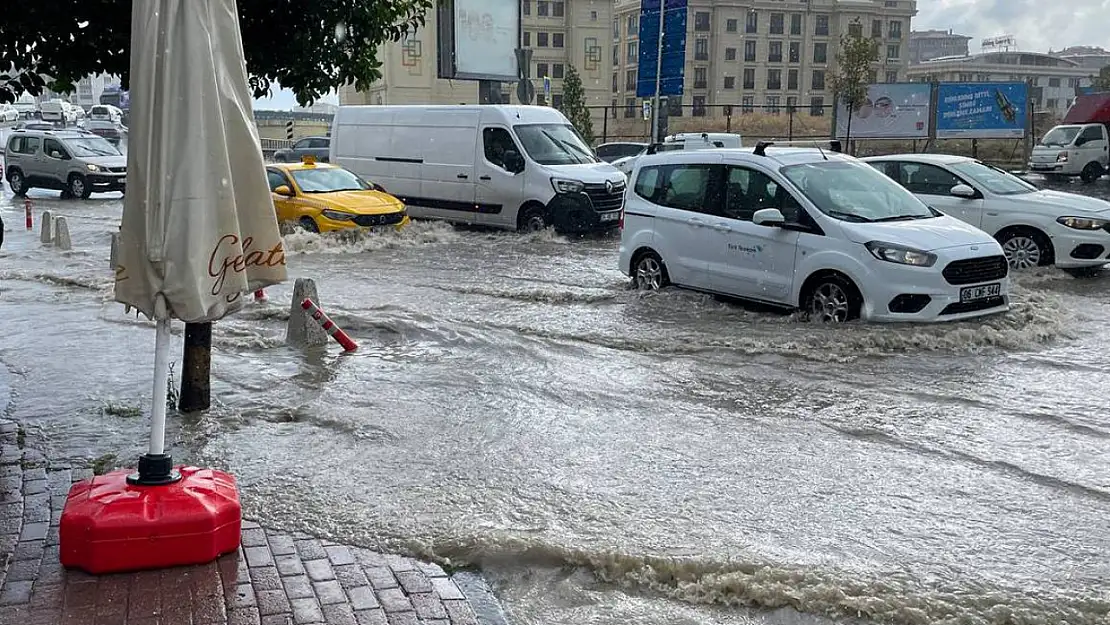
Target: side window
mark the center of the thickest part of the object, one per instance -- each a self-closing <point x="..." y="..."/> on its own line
<point x="747" y="191"/>
<point x="30" y="145"/>
<point x="685" y="187"/>
<point x="1091" y="133"/>
<point x="889" y="168"/>
<point x="15" y="145"/>
<point x="495" y="142"/>
<point x="52" y="146"/>
<point x="276" y="179"/>
<point x="318" y="143"/>
<point x="927" y="179"/>
<point x="302" y="144"/>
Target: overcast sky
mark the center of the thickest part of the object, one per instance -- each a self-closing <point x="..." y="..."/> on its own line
<point x="284" y="100"/>
<point x="1037" y="25"/>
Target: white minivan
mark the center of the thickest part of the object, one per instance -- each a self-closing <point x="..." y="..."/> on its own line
<point x="514" y="167"/>
<point x="805" y="228"/>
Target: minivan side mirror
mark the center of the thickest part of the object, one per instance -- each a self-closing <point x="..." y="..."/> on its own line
<point x="770" y="217"/>
<point x="514" y="162"/>
<point x="964" y="191"/>
<point x="284" y="190"/>
<point x="56" y="154"/>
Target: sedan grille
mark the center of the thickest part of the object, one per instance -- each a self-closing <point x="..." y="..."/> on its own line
<point x="605" y="200"/>
<point x="387" y="219"/>
<point x="975" y="270"/>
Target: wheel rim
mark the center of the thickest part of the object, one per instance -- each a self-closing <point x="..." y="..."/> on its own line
<point x="1022" y="252"/>
<point x="534" y="223"/>
<point x="649" y="274"/>
<point x="830" y="304"/>
<point x="77" y="187"/>
<point x="16" y="181"/>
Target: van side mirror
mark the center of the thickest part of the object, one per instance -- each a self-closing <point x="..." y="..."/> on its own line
<point x="770" y="217"/>
<point x="284" y="190"/>
<point x="514" y="162"/>
<point x="964" y="191"/>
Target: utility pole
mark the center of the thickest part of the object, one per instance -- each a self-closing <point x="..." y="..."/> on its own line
<point x="196" y="367"/>
<point x="658" y="126"/>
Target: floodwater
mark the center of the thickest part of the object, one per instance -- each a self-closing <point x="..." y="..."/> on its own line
<point x="612" y="457"/>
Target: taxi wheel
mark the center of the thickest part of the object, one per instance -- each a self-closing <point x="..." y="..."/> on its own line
<point x="309" y="224"/>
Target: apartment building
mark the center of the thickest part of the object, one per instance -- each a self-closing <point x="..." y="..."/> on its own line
<point x="560" y="33"/>
<point x="1091" y="57"/>
<point x="926" y="45"/>
<point x="762" y="54"/>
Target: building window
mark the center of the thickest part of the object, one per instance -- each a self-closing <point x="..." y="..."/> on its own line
<point x="557" y="10"/>
<point x="674" y="106"/>
<point x="749" y="51"/>
<point x="1050" y="104"/>
<point x="613" y="108"/>
<point x="749" y="78"/>
<point x="876" y="29"/>
<point x="593" y="16"/>
<point x="892" y="51"/>
<point x="747" y="104"/>
<point x="730" y="54"/>
<point x="556" y="40"/>
<point x="792" y="79"/>
<point x="633" y="25"/>
<point x="701" y="49"/>
<point x="526" y="39"/>
<point x="633" y="51"/>
<point x="821" y="26"/>
<point x="701" y="21"/>
<point x="700" y="80"/>
<point x="855" y="29"/>
<point x="630" y="80"/>
<point x="872" y="77"/>
<point x="541" y="40"/>
<point x="752" y="25"/>
<point x="526" y="7"/>
<point x="616" y="30"/>
<point x="774" y="79"/>
<point x="732" y="25"/>
<point x="699" y="106"/>
<point x="541" y="70"/>
<point x="557" y="100"/>
<point x="616" y="54"/>
<point x="820" y="52"/>
<point x="542" y="7"/>
<point x="818" y="82"/>
<point x="772" y="104"/>
<point x="557" y="70"/>
<point x="795" y="52"/>
<point x="774" y="52"/>
<point x="1053" y="82"/>
<point x="730" y="82"/>
<point x="777" y="20"/>
<point x="895" y="29"/>
<point x="796" y="24"/>
<point x="892" y="76"/>
<point x="791" y="103"/>
<point x="817" y="106"/>
<point x="629" y="108"/>
<point x="616" y="82"/>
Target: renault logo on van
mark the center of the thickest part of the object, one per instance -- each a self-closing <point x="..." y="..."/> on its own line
<point x="609" y="186"/>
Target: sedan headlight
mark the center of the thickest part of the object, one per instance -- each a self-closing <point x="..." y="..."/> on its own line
<point x="337" y="215"/>
<point x="901" y="255"/>
<point x="92" y="167"/>
<point x="1082" y="223"/>
<point x="565" y="185"/>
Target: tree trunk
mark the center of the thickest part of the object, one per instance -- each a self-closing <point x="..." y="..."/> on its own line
<point x="196" y="366"/>
<point x="848" y="134"/>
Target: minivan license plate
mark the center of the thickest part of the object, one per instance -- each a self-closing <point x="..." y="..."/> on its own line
<point x="973" y="293"/>
<point x="613" y="216"/>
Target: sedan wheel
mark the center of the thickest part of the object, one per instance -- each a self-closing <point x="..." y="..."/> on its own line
<point x="1022" y="251"/>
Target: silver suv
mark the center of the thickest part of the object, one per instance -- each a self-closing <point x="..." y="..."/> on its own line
<point x="75" y="162"/>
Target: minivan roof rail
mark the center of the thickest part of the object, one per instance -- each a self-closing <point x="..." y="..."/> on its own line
<point x="834" y="145"/>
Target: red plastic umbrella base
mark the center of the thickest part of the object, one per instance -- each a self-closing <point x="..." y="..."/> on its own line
<point x="109" y="525"/>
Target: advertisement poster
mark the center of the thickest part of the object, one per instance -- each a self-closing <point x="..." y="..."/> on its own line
<point x="486" y="35"/>
<point x="981" y="110"/>
<point x="897" y="110"/>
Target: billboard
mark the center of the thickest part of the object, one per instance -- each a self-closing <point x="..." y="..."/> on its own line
<point x="982" y="110"/>
<point x="892" y="111"/>
<point x="672" y="67"/>
<point x="478" y="40"/>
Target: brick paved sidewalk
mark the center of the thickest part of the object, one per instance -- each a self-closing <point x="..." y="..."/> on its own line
<point x="274" y="578"/>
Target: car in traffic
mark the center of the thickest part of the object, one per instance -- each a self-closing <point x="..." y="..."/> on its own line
<point x="8" y="113"/>
<point x="111" y="130"/>
<point x="75" y="162"/>
<point x="614" y="150"/>
<point x="317" y="147"/>
<point x="682" y="141"/>
<point x="1036" y="227"/>
<point x="809" y="229"/>
<point x="321" y="197"/>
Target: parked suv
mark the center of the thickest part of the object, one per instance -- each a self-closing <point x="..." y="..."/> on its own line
<point x="316" y="147"/>
<point x="805" y="228"/>
<point x="77" y="163"/>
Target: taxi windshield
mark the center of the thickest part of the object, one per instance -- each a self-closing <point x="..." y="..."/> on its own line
<point x="854" y="191"/>
<point x="328" y="180"/>
<point x="91" y="146"/>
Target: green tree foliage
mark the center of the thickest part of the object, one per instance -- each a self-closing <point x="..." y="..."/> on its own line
<point x="1102" y="81"/>
<point x="574" y="104"/>
<point x="849" y="81"/>
<point x="307" y="46"/>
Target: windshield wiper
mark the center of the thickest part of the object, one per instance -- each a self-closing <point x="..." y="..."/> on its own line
<point x="848" y="216"/>
<point x="562" y="147"/>
<point x="902" y="218"/>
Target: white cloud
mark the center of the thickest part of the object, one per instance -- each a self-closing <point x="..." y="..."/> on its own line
<point x="284" y="100"/>
<point x="1036" y="25"/>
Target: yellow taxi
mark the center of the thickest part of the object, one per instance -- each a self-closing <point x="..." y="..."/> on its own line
<point x="322" y="198"/>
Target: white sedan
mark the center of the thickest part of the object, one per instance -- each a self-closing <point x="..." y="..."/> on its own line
<point x="1035" y="226"/>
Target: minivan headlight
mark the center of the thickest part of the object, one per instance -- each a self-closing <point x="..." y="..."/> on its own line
<point x="1082" y="223"/>
<point x="337" y="215"/>
<point x="901" y="255"/>
<point x="92" y="167"/>
<point x="565" y="185"/>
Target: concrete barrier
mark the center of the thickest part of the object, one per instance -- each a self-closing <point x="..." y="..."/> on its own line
<point x="115" y="251"/>
<point x="61" y="234"/>
<point x="46" y="234"/>
<point x="302" y="330"/>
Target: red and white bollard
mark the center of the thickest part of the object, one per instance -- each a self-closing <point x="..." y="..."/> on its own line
<point x="260" y="296"/>
<point x="329" y="326"/>
<point x="27" y="211"/>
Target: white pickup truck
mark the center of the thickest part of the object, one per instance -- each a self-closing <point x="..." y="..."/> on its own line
<point x="1080" y="145"/>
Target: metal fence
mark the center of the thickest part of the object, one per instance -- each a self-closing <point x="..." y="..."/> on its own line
<point x="788" y="121"/>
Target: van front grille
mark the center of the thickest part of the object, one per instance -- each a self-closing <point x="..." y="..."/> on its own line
<point x="605" y="200"/>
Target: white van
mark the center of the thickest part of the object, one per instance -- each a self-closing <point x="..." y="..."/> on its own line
<point x="55" y="111"/>
<point x="106" y="113"/>
<point x="512" y="167"/>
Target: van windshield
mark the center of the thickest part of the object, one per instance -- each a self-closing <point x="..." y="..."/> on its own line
<point x="1060" y="136"/>
<point x="554" y="144"/>
<point x="856" y="192"/>
<point x="91" y="146"/>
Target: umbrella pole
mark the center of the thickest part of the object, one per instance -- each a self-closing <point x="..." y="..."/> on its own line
<point x="156" y="467"/>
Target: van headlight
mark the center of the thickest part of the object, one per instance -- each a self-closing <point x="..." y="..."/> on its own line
<point x="566" y="185"/>
<point x="1082" y="223"/>
<point x="901" y="255"/>
<point x="337" y="215"/>
<point x="1062" y="157"/>
<point x="92" y="167"/>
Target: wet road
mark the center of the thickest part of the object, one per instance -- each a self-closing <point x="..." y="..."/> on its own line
<point x="615" y="457"/>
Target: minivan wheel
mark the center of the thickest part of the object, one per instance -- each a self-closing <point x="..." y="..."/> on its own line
<point x="532" y="219"/>
<point x="79" y="187"/>
<point x="309" y="224"/>
<point x="17" y="183"/>
<point x="1025" y="249"/>
<point x="833" y="299"/>
<point x="649" y="273"/>
<point x="1091" y="173"/>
